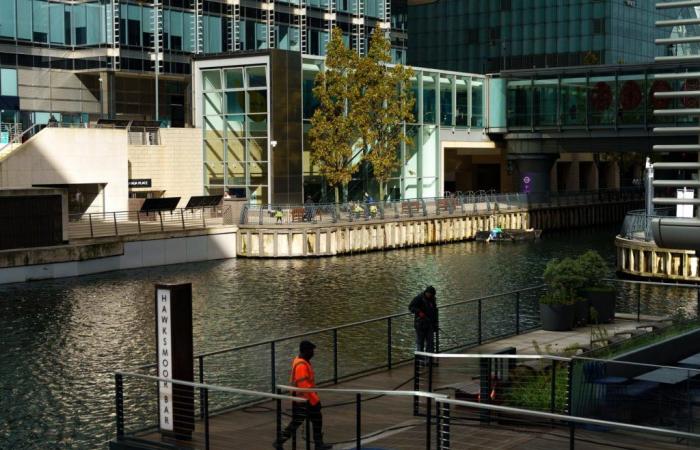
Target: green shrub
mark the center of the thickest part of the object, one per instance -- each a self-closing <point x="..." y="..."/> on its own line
<point x="594" y="269"/>
<point x="564" y="279"/>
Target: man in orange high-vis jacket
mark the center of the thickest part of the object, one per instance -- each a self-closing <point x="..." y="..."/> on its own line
<point x="302" y="376"/>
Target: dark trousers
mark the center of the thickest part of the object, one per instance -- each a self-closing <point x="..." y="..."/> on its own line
<point x="425" y="339"/>
<point x="299" y="414"/>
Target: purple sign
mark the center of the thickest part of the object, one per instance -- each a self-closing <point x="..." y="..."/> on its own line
<point x="527" y="184"/>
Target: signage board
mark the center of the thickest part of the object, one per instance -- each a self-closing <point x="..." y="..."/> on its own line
<point x="140" y="182"/>
<point x="685" y="210"/>
<point x="174" y="350"/>
<point x="165" y="361"/>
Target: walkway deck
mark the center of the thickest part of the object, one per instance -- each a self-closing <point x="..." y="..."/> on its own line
<point x="388" y="422"/>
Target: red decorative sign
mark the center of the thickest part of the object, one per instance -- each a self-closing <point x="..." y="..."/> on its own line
<point x="630" y="95"/>
<point x="601" y="96"/>
<point x="659" y="86"/>
<point x="691" y="85"/>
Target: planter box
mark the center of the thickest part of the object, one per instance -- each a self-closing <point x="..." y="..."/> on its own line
<point x="582" y="310"/>
<point x="557" y="317"/>
<point x="603" y="301"/>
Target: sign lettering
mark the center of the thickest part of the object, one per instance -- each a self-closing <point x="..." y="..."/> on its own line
<point x="165" y="389"/>
<point x="140" y="182"/>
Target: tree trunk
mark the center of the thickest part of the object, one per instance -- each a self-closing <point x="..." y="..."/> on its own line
<point x="337" y="194"/>
<point x="381" y="191"/>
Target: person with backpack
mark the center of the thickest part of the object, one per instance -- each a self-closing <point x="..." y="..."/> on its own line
<point x="425" y="313"/>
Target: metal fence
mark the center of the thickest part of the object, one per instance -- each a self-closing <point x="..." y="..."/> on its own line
<point x="459" y="204"/>
<point x="637" y="223"/>
<point x="107" y="224"/>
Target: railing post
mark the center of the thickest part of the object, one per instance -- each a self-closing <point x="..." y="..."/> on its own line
<point x="438" y="415"/>
<point x="308" y="429"/>
<point x="138" y="220"/>
<point x="416" y="383"/>
<point x="358" y="421"/>
<point x="182" y="216"/>
<point x="201" y="381"/>
<point x="273" y="368"/>
<point x="335" y="356"/>
<point x="389" y="341"/>
<point x="479" y="322"/>
<point x="116" y="229"/>
<point x="119" y="397"/>
<point x="553" y="396"/>
<point x="430" y="374"/>
<point x="206" y="418"/>
<point x="278" y="417"/>
<point x="517" y="313"/>
<point x="204" y="218"/>
<point x="697" y="313"/>
<point x="160" y="214"/>
<point x="445" y="437"/>
<point x="92" y="234"/>
<point x="639" y="302"/>
<point x="428" y="421"/>
<point x="572" y="425"/>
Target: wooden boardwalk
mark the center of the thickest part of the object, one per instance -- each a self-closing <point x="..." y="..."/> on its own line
<point x="388" y="422"/>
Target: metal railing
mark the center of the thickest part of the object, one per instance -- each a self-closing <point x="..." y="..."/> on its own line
<point x="464" y="323"/>
<point x="122" y="223"/>
<point x="637" y="223"/>
<point x="459" y="204"/>
<point x="137" y="400"/>
<point x="623" y="392"/>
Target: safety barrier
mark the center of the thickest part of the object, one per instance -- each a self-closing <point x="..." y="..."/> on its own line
<point x="108" y="224"/>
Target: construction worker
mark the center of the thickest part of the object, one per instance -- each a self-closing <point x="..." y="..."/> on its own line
<point x="302" y="376"/>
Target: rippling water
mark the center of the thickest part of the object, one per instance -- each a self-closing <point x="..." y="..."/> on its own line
<point x="60" y="341"/>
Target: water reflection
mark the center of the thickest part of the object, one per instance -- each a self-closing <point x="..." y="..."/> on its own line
<point x="61" y="340"/>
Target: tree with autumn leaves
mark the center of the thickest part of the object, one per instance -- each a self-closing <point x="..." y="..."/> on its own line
<point x="363" y="105"/>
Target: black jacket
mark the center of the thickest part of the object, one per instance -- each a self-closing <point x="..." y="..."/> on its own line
<point x="428" y="308"/>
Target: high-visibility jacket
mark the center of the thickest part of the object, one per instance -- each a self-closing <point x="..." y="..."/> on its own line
<point x="303" y="377"/>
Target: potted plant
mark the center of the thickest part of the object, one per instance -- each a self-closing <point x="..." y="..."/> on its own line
<point x="600" y="296"/>
<point x="563" y="279"/>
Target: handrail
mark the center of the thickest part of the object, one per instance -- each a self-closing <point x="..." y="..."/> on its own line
<point x="632" y="363"/>
<point x="575" y="419"/>
<point x="653" y="283"/>
<point x="349" y="325"/>
<point x="18" y="137"/>
<point x="212" y="387"/>
<point x="366" y="391"/>
<point x="493" y="356"/>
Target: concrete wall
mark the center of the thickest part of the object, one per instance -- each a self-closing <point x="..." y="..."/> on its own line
<point x="175" y="166"/>
<point x="57" y="90"/>
<point x="70" y="261"/>
<point x="59" y="156"/>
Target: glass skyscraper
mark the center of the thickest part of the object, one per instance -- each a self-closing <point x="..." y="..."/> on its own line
<point x="81" y="60"/>
<point x="491" y="36"/>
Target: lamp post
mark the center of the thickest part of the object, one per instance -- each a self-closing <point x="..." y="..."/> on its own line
<point x="101" y="98"/>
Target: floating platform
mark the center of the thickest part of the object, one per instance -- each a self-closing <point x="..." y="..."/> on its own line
<point x="509" y="236"/>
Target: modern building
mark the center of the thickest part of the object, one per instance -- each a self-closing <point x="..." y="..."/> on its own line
<point x="491" y="36"/>
<point x="77" y="61"/>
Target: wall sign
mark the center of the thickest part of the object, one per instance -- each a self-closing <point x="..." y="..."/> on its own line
<point x="174" y="350"/>
<point x="139" y="182"/>
<point x="165" y="362"/>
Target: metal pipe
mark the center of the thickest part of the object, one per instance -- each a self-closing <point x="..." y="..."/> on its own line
<point x="389" y="342"/>
<point x="358" y="421"/>
<point x="201" y="380"/>
<point x="273" y="367"/>
<point x="335" y="356"/>
<point x="206" y="418"/>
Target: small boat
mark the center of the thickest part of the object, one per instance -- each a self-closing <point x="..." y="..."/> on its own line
<point x="509" y="235"/>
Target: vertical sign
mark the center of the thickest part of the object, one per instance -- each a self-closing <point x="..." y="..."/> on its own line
<point x="165" y="362"/>
<point x="173" y="320"/>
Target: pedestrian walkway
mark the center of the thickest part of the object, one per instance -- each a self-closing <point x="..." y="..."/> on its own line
<point x="388" y="422"/>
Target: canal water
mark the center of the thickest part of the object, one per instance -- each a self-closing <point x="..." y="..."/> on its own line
<point x="60" y="341"/>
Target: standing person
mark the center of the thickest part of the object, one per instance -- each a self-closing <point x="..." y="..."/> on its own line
<point x="302" y="376"/>
<point x="309" y="209"/>
<point x="425" y="311"/>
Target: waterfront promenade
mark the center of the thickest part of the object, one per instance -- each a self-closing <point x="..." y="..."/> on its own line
<point x="388" y="419"/>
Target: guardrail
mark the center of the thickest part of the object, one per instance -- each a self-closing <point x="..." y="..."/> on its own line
<point x="459" y="204"/>
<point x="108" y="224"/>
<point x="637" y="223"/>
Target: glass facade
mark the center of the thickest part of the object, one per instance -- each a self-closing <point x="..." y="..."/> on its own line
<point x="489" y="36"/>
<point x="444" y="101"/>
<point x="235" y="126"/>
<point x="609" y="100"/>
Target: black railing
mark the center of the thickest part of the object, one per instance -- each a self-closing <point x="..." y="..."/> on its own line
<point x="459" y="204"/>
